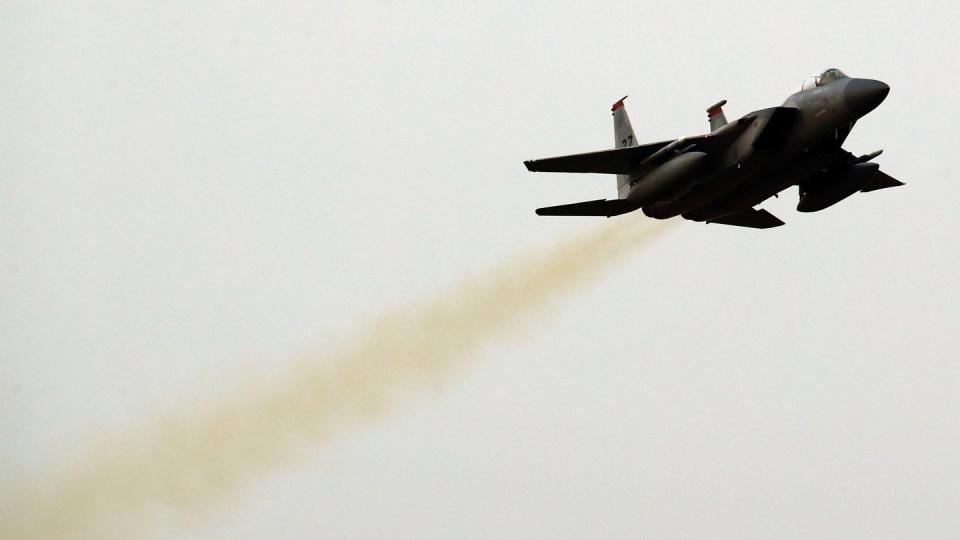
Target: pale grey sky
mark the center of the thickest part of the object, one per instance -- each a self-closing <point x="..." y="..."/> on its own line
<point x="193" y="195"/>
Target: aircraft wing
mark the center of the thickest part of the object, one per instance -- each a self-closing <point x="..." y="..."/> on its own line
<point x="617" y="161"/>
<point x="753" y="218"/>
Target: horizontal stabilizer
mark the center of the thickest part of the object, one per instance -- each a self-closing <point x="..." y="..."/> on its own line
<point x="881" y="180"/>
<point x="600" y="207"/>
<point x="753" y="218"/>
<point x="617" y="161"/>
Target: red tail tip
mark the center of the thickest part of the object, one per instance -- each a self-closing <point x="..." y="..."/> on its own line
<point x="716" y="108"/>
<point x="618" y="105"/>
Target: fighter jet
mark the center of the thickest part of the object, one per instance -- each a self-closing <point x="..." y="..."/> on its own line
<point x="721" y="176"/>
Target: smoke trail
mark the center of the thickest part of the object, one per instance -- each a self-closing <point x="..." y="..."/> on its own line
<point x="198" y="457"/>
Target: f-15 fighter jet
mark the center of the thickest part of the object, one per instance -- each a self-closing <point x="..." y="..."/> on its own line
<point x="719" y="177"/>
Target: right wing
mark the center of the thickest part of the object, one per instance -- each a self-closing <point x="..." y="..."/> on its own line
<point x="617" y="161"/>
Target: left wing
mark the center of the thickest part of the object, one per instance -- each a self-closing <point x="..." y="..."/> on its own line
<point x="617" y="161"/>
<point x="628" y="160"/>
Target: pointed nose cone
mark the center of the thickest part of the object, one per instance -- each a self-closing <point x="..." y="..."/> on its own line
<point x="863" y="95"/>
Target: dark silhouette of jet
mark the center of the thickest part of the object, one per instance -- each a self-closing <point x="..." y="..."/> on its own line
<point x="719" y="177"/>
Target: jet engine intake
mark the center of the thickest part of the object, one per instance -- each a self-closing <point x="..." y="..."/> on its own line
<point x="671" y="176"/>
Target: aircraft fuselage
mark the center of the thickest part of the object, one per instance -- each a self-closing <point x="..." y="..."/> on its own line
<point x="720" y="176"/>
<point x="751" y="170"/>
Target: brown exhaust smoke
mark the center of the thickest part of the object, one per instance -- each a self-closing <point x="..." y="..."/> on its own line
<point x="179" y="467"/>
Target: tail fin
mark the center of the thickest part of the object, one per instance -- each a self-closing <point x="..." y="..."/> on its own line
<point x="623" y="137"/>
<point x="716" y="116"/>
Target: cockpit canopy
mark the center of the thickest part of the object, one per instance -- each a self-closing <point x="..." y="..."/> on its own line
<point x="825" y="78"/>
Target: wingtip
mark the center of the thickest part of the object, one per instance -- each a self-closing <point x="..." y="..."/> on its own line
<point x="529" y="165"/>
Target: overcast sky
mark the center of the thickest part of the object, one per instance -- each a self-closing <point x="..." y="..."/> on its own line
<point x="195" y="194"/>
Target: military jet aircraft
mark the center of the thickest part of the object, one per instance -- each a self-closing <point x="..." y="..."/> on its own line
<point x="719" y="177"/>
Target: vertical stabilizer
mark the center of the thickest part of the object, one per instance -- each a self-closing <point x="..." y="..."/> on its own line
<point x="622" y="138"/>
<point x="716" y="116"/>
